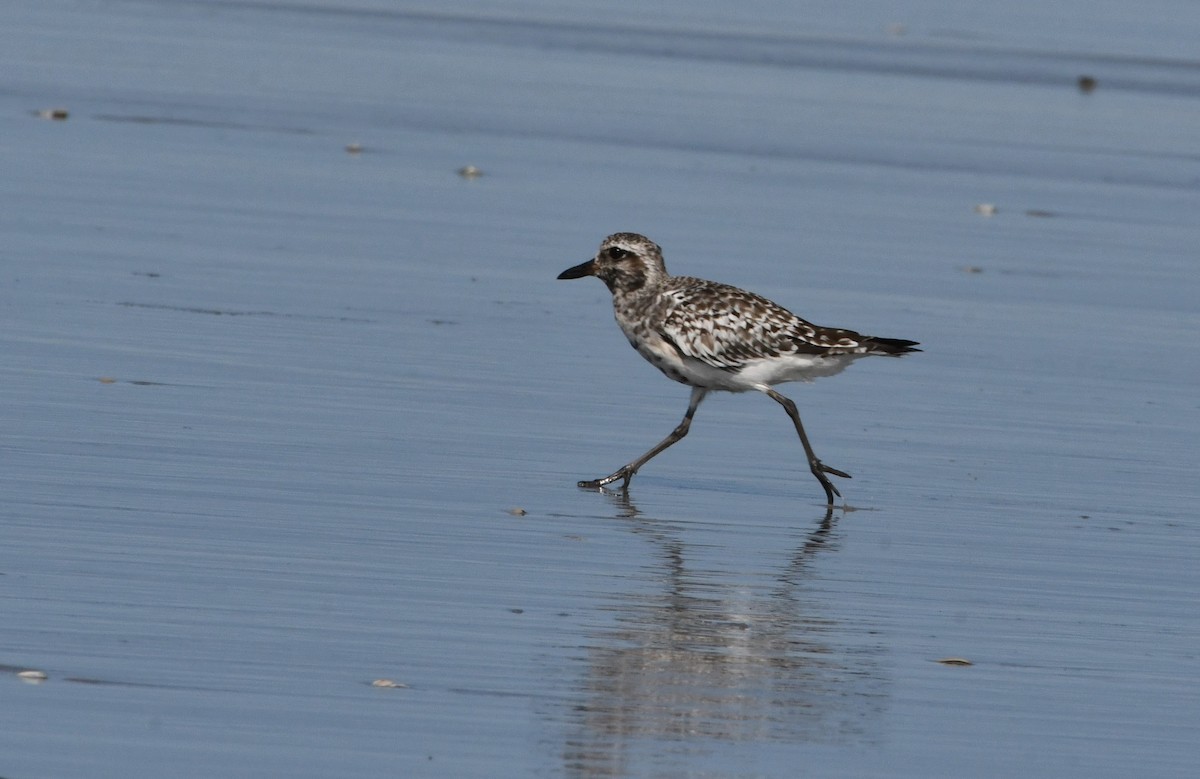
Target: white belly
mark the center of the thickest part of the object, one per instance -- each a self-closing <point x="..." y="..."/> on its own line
<point x="778" y="370"/>
<point x="757" y="374"/>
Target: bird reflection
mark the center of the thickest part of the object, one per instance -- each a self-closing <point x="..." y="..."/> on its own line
<point x="706" y="658"/>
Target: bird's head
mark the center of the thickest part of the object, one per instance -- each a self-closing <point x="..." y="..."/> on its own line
<point x="626" y="262"/>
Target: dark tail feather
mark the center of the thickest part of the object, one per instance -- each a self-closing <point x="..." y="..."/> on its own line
<point x="892" y="346"/>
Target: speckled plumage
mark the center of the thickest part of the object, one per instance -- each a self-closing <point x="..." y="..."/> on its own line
<point x="712" y="336"/>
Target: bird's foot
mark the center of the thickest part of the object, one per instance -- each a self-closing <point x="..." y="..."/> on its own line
<point x="818" y="465"/>
<point x="624" y="472"/>
<point x="819" y="469"/>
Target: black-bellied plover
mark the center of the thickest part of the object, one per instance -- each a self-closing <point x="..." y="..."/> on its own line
<point x="713" y="336"/>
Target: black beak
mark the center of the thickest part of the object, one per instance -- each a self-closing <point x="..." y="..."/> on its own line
<point x="579" y="271"/>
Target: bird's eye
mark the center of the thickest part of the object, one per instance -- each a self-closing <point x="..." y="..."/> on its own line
<point x="617" y="253"/>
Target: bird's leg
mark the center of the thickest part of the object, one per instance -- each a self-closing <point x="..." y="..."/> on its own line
<point x="818" y="468"/>
<point x="626" y="472"/>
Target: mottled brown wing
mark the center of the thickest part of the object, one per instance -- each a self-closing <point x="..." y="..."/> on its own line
<point x="726" y="327"/>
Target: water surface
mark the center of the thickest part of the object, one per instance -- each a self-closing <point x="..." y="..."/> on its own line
<point x="269" y="404"/>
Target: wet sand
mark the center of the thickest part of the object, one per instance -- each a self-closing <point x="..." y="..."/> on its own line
<point x="292" y="405"/>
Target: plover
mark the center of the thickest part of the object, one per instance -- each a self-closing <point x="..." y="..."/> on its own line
<point x="712" y="336"/>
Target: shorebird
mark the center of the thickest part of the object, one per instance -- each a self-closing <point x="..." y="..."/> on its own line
<point x="712" y="336"/>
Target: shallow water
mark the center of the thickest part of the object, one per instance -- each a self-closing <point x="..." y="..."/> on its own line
<point x="269" y="404"/>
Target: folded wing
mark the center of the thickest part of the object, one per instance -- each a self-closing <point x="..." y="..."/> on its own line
<point x="726" y="327"/>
